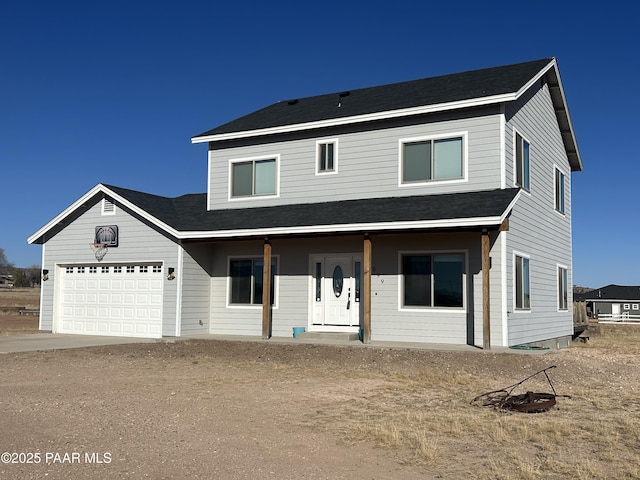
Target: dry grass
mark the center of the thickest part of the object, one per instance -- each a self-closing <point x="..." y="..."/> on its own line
<point x="595" y="434"/>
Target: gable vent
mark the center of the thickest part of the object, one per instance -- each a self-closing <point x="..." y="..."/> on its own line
<point x="108" y="207"/>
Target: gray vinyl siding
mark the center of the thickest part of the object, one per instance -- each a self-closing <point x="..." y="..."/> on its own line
<point x="137" y="243"/>
<point x="536" y="229"/>
<point x="368" y="163"/>
<point x="196" y="289"/>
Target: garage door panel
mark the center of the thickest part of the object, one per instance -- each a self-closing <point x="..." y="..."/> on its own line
<point x="111" y="300"/>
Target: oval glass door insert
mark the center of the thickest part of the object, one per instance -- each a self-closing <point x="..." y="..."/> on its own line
<point x="338" y="281"/>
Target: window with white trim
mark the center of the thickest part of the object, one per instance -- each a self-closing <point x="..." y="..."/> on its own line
<point x="559" y="191"/>
<point x="522" y="283"/>
<point x="253" y="178"/>
<point x="522" y="162"/>
<point x="433" y="280"/>
<point x="563" y="295"/>
<point x="246" y="281"/>
<point x="327" y="156"/>
<point x="426" y="160"/>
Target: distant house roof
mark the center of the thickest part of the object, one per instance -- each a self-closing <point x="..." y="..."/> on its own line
<point x="187" y="217"/>
<point x="610" y="293"/>
<point x="459" y="90"/>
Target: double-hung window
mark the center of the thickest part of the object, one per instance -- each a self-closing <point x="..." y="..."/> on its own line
<point x="563" y="303"/>
<point x="522" y="162"/>
<point x="433" y="280"/>
<point x="432" y="159"/>
<point x="327" y="156"/>
<point x="523" y="284"/>
<point x="559" y="192"/>
<point x="246" y="281"/>
<point x="252" y="178"/>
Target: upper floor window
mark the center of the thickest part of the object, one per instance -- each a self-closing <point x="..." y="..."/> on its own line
<point x="523" y="284"/>
<point x="435" y="280"/>
<point x="559" y="196"/>
<point x="424" y="160"/>
<point x="327" y="156"/>
<point x="563" y="302"/>
<point x="255" y="177"/>
<point x="522" y="162"/>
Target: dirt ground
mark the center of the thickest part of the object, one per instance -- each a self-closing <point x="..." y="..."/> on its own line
<point x="257" y="410"/>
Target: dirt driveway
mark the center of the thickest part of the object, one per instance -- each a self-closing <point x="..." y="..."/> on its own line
<point x="240" y="410"/>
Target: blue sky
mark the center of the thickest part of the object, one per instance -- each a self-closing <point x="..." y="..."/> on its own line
<point x="112" y="92"/>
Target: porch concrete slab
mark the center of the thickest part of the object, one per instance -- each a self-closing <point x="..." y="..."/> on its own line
<point x="436" y="347"/>
<point x="33" y="342"/>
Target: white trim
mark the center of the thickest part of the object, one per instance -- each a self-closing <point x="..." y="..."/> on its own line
<point x="504" y="289"/>
<point x="209" y="182"/>
<point x="180" y="276"/>
<point x="42" y="288"/>
<point x="465" y="156"/>
<point x="334" y="141"/>
<point x="503" y="148"/>
<point x="233" y="161"/>
<point x="426" y="310"/>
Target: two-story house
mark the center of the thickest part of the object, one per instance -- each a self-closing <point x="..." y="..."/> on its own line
<point x="435" y="210"/>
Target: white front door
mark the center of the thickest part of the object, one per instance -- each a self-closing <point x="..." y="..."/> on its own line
<point x="336" y="285"/>
<point x="615" y="310"/>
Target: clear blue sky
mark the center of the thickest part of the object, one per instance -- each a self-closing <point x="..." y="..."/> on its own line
<point x="112" y="92"/>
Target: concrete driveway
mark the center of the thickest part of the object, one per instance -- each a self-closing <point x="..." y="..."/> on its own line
<point x="56" y="341"/>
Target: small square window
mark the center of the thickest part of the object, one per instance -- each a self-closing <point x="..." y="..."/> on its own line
<point x="69" y="270"/>
<point x="326" y="156"/>
<point x="635" y="306"/>
<point x="131" y="269"/>
<point x="80" y="269"/>
<point x="93" y="269"/>
<point x="157" y="269"/>
<point x="104" y="269"/>
<point x="626" y="306"/>
<point x="144" y="268"/>
<point x="117" y="269"/>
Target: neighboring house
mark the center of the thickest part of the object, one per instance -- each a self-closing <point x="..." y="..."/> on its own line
<point x="6" y="281"/>
<point x="613" y="302"/>
<point x="435" y="210"/>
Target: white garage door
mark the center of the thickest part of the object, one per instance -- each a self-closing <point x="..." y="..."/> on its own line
<point x="118" y="300"/>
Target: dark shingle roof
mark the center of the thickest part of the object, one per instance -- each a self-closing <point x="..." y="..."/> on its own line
<point x="416" y="93"/>
<point x="188" y="213"/>
<point x="611" y="292"/>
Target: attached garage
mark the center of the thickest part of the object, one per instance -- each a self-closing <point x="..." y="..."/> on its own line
<point x="110" y="299"/>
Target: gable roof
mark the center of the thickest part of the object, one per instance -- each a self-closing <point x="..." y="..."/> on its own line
<point x="186" y="217"/>
<point x="446" y="92"/>
<point x="610" y="293"/>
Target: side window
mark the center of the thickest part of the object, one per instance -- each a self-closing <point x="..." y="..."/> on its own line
<point x="522" y="283"/>
<point x="431" y="159"/>
<point x="522" y="162"/>
<point x="563" y="303"/>
<point x="327" y="156"/>
<point x="559" y="191"/>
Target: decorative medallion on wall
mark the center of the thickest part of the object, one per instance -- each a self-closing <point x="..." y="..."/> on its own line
<point x="107" y="234"/>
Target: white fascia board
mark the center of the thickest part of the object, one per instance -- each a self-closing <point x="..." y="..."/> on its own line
<point x="332" y="122"/>
<point x="346" y="228"/>
<point x="95" y="190"/>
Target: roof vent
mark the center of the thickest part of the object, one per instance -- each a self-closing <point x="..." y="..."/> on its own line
<point x="345" y="94"/>
<point x="293" y="102"/>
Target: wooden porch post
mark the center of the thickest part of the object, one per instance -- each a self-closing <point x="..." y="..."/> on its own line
<point x="486" y="292"/>
<point x="266" y="290"/>
<point x="366" y="291"/>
